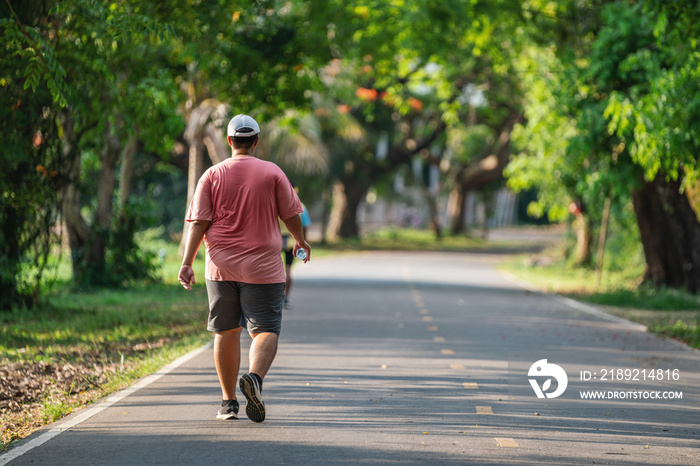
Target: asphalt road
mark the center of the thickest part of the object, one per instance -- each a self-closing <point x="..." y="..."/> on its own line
<point x="411" y="358"/>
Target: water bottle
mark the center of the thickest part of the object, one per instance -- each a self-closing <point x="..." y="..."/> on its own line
<point x="301" y="254"/>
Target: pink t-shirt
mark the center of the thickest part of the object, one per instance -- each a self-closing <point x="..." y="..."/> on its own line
<point x="243" y="197"/>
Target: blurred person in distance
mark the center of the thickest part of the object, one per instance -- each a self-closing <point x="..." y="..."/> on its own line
<point x="288" y="249"/>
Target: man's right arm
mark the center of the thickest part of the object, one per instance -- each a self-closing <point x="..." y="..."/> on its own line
<point x="195" y="235"/>
<point x="295" y="228"/>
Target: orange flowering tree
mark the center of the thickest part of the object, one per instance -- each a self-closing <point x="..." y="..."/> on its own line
<point x="406" y="73"/>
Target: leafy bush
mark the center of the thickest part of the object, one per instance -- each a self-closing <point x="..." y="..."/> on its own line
<point x="125" y="261"/>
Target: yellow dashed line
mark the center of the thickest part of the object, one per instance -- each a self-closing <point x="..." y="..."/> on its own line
<point x="439" y="339"/>
<point x="458" y="367"/>
<point x="424" y="312"/>
<point x="427" y="319"/>
<point x="470" y="385"/>
<point x="484" y="410"/>
<point x="447" y="351"/>
<point x="506" y="442"/>
<point x="432" y="328"/>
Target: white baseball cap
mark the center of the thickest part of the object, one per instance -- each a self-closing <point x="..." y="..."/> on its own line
<point x="242" y="126"/>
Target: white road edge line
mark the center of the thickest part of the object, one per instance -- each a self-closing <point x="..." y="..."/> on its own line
<point x="594" y="311"/>
<point x="576" y="304"/>
<point x="87" y="413"/>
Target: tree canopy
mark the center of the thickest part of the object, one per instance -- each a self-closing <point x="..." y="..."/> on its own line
<point x="589" y="103"/>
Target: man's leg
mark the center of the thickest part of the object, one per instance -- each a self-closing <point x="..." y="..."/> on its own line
<point x="263" y="306"/>
<point x="227" y="358"/>
<point x="262" y="352"/>
<point x="287" y="285"/>
<point x="288" y="279"/>
<point x="288" y="259"/>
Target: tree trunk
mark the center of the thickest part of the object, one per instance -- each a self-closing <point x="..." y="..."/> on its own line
<point x="434" y="222"/>
<point x="326" y="199"/>
<point x="351" y="188"/>
<point x="343" y="218"/>
<point x="693" y="192"/>
<point x="670" y="234"/>
<point x="194" y="172"/>
<point x="601" y="241"/>
<point x="77" y="229"/>
<point x="127" y="167"/>
<point x="200" y="133"/>
<point x="105" y="195"/>
<point x="481" y="172"/>
<point x="582" y="225"/>
<point x="457" y="212"/>
<point x="583" y="239"/>
<point x="13" y="220"/>
<point x="217" y="150"/>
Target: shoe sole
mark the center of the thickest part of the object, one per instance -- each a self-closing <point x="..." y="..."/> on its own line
<point x="254" y="408"/>
<point x="227" y="416"/>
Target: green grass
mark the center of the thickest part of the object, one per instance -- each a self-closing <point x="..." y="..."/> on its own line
<point x="132" y="332"/>
<point x="559" y="277"/>
<point x="668" y="312"/>
<point x="54" y="410"/>
<point x="408" y="239"/>
<point x="70" y="322"/>
<point x="104" y="320"/>
<point x="643" y="297"/>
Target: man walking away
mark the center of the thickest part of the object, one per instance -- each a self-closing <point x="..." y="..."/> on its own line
<point x="235" y="210"/>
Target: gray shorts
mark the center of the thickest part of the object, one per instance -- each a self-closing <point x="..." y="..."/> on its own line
<point x="234" y="304"/>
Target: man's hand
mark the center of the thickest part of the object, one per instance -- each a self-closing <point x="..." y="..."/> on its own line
<point x="195" y="234"/>
<point x="294" y="226"/>
<point x="186" y="277"/>
<point x="305" y="246"/>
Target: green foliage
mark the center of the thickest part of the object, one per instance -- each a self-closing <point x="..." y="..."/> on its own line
<point x="34" y="170"/>
<point x="606" y="106"/>
<point x="40" y="63"/>
<point x="623" y="248"/>
<point x="261" y="57"/>
<point x="469" y="143"/>
<point x="125" y="260"/>
<point x="49" y="120"/>
<point x="609" y="92"/>
<point x="159" y="187"/>
<point x="683" y="331"/>
<point x="659" y="117"/>
<point x="127" y="63"/>
<point x="567" y="102"/>
<point x="111" y="71"/>
<point x="406" y="83"/>
<point x="541" y="161"/>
